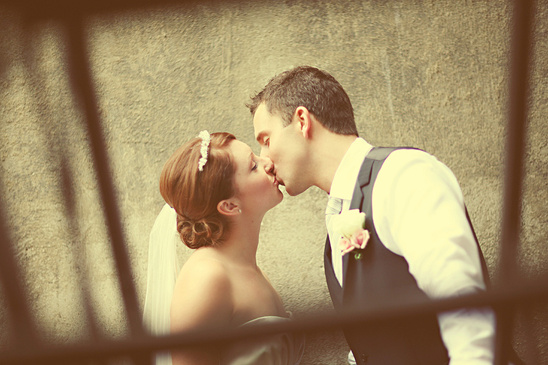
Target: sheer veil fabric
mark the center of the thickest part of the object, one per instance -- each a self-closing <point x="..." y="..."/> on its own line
<point x="163" y="269"/>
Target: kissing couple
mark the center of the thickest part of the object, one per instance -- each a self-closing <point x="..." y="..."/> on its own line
<point x="397" y="231"/>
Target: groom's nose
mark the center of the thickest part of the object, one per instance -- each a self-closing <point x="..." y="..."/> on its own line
<point x="268" y="165"/>
<point x="264" y="152"/>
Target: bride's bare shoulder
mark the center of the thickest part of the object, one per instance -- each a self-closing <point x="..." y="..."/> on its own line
<point x="202" y="293"/>
<point x="204" y="268"/>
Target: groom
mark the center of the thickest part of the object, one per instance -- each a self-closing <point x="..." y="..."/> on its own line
<point x="421" y="245"/>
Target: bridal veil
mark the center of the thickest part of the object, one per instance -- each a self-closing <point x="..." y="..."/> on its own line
<point x="163" y="269"/>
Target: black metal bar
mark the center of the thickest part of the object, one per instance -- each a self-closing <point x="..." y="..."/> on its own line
<point x="83" y="88"/>
<point x="54" y="9"/>
<point x="520" y="52"/>
<point x="524" y="293"/>
<point x="71" y="215"/>
<point x="15" y="295"/>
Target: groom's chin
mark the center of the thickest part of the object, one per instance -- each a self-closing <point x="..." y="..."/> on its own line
<point x="291" y="191"/>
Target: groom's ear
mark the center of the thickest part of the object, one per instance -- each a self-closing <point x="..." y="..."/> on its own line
<point x="304" y="121"/>
<point x="228" y="207"/>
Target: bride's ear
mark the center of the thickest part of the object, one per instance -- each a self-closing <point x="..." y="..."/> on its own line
<point x="228" y="207"/>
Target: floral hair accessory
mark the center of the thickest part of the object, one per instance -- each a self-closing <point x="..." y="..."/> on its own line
<point x="206" y="139"/>
<point x="350" y="225"/>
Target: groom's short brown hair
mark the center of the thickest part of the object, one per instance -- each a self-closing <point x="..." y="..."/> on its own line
<point x="316" y="90"/>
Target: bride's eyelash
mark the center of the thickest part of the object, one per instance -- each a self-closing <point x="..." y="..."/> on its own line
<point x="254" y="166"/>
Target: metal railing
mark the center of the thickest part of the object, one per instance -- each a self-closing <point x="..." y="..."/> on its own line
<point x="140" y="346"/>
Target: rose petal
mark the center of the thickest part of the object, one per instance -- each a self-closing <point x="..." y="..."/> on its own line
<point x="343" y="243"/>
<point x="345" y="246"/>
<point x="361" y="238"/>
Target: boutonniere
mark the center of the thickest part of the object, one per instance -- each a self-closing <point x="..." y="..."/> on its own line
<point x="350" y="225"/>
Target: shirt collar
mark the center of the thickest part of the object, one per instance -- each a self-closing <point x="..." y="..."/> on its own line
<point x="347" y="173"/>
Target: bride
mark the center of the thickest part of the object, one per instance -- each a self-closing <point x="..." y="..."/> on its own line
<point x="217" y="193"/>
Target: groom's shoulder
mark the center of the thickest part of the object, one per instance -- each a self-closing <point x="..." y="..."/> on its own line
<point x="405" y="153"/>
<point x="403" y="156"/>
<point x="382" y="152"/>
<point x="414" y="161"/>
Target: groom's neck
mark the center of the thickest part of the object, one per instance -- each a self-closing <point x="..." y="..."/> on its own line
<point x="328" y="152"/>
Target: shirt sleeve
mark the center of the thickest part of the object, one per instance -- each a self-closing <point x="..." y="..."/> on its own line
<point x="419" y="214"/>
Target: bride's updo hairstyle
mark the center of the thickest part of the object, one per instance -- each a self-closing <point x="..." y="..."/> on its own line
<point x="194" y="194"/>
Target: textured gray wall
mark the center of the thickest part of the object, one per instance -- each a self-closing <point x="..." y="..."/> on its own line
<point x="428" y="74"/>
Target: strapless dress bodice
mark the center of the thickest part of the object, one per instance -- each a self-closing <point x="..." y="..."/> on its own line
<point x="279" y="349"/>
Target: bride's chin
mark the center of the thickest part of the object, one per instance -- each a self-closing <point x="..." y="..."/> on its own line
<point x="280" y="198"/>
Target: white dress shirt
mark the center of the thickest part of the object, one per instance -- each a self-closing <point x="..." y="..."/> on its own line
<point x="418" y="212"/>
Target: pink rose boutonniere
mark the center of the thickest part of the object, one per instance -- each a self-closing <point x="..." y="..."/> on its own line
<point x="350" y="225"/>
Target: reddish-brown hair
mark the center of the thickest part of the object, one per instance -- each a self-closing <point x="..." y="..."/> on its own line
<point x="195" y="194"/>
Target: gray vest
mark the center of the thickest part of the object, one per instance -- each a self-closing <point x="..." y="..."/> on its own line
<point x="375" y="278"/>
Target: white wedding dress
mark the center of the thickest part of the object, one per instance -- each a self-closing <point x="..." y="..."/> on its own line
<point x="280" y="349"/>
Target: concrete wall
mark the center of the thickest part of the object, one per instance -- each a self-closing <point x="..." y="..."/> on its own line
<point x="428" y="74"/>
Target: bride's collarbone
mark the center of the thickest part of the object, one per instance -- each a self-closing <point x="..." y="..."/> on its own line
<point x="254" y="297"/>
<point x="252" y="294"/>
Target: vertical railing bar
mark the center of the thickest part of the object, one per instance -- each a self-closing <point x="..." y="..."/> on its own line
<point x="57" y="152"/>
<point x="520" y="51"/>
<point x="70" y="212"/>
<point x="83" y="88"/>
<point x="15" y="296"/>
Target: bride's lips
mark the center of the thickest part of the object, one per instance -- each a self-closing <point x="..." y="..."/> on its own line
<point x="278" y="181"/>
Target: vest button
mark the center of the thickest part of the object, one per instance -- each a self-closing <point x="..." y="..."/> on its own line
<point x="364" y="358"/>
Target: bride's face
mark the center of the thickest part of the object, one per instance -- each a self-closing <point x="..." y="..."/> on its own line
<point x="256" y="186"/>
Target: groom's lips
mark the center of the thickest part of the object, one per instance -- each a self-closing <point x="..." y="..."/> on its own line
<point x="277" y="180"/>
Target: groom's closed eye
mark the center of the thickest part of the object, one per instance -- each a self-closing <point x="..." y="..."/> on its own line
<point x="263" y="139"/>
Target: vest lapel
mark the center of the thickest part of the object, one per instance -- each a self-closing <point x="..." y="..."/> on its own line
<point x="335" y="289"/>
<point x="329" y="270"/>
<point x="364" y="177"/>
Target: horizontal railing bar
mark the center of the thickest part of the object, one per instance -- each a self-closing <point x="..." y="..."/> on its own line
<point x="54" y="9"/>
<point x="146" y="345"/>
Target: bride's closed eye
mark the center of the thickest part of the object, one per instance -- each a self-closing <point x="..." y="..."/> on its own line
<point x="254" y="163"/>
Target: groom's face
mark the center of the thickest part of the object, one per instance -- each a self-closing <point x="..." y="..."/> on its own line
<point x="285" y="148"/>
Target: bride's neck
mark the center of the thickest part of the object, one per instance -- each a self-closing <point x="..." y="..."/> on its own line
<point x="242" y="241"/>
